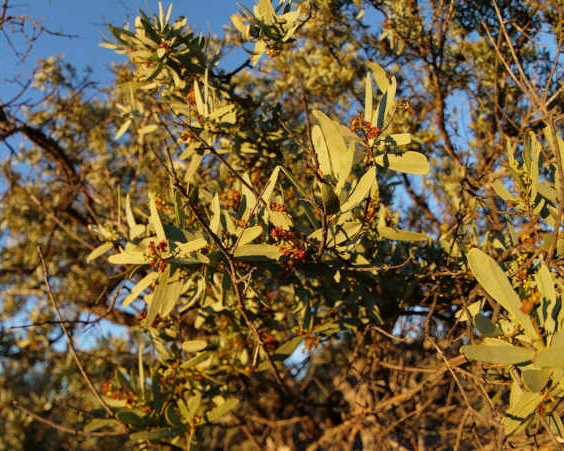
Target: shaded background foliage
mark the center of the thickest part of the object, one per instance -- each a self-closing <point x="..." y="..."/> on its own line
<point x="380" y="362"/>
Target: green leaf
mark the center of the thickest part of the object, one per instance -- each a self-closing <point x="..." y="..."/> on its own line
<point x="100" y="250"/>
<point x="500" y="353"/>
<point x="409" y="162"/>
<point x="379" y="75"/>
<point x="98" y="423"/>
<point x="525" y="403"/>
<point x="361" y="190"/>
<point x="131" y="418"/>
<point x="166" y="294"/>
<point x="185" y="249"/>
<point x="194" y="345"/>
<point x="288" y="348"/>
<point x="257" y="252"/>
<point x="328" y="198"/>
<point x="154" y="219"/>
<point x="215" y="221"/>
<point x="535" y="379"/>
<point x="494" y="281"/>
<point x="551" y="357"/>
<point x="131" y="255"/>
<point x="401" y="235"/>
<point x="249" y="234"/>
<point x="368" y="101"/>
<point x="502" y="191"/>
<point x="545" y="284"/>
<point x="143" y="284"/>
<point x="217" y="412"/>
<point x="486" y="327"/>
<point x="341" y="155"/>
<point x="401" y="139"/>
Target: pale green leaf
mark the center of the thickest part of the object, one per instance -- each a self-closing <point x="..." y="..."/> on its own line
<point x="139" y="287"/>
<point x="401" y="235"/>
<point x="129" y="213"/>
<point x="408" y="162"/>
<point x="340" y="154"/>
<point x="98" y="423"/>
<point x="502" y="191"/>
<point x="147" y="129"/>
<point x="249" y="234"/>
<point x="361" y="190"/>
<point x="185" y="249"/>
<point x="379" y="75"/>
<point x="215" y="221"/>
<point x="100" y="250"/>
<point x="258" y="252"/>
<point x="468" y="313"/>
<point x="218" y="411"/>
<point x="524" y="406"/>
<point x="321" y="151"/>
<point x="500" y="353"/>
<point x="535" y="379"/>
<point x="545" y="284"/>
<point x="129" y="257"/>
<point x="551" y="357"/>
<point x="155" y="219"/>
<point x="494" y="281"/>
<point x="165" y="296"/>
<point x="401" y="139"/>
<point x="368" y="98"/>
<point x="194" y="345"/>
<point x="124" y="127"/>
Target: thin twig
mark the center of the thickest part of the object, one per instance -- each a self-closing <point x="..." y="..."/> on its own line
<point x="72" y="349"/>
<point x="66" y="429"/>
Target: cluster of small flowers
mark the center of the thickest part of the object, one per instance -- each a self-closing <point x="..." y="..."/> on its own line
<point x="232" y="199"/>
<point x="277" y="207"/>
<point x="118" y="394"/>
<point x="155" y="253"/>
<point x="364" y="128"/>
<point x="291" y="246"/>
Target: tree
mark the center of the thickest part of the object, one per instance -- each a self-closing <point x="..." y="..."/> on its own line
<point x="350" y="241"/>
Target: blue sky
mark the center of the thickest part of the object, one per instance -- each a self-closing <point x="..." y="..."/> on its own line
<point x="87" y="19"/>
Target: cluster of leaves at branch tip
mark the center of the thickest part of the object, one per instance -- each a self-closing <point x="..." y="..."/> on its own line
<point x="531" y="337"/>
<point x="165" y="254"/>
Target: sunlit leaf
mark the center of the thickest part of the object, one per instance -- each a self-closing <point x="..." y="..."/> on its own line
<point x="498" y="352"/>
<point x="194" y="345"/>
<point x="361" y="190"/>
<point x="409" y="162"/>
<point x="551" y="357"/>
<point x="257" y="252"/>
<point x="100" y="250"/>
<point x="401" y="235"/>
<point x="492" y="279"/>
<point x="139" y="287"/>
<point x="222" y="409"/>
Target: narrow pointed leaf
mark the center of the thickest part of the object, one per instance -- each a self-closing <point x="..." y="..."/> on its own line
<point x="492" y="279"/>
<point x="501" y="354"/>
<point x="100" y="250"/>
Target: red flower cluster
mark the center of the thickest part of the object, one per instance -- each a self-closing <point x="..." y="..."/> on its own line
<point x="364" y="128"/>
<point x="155" y="253"/>
<point x="291" y="246"/>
